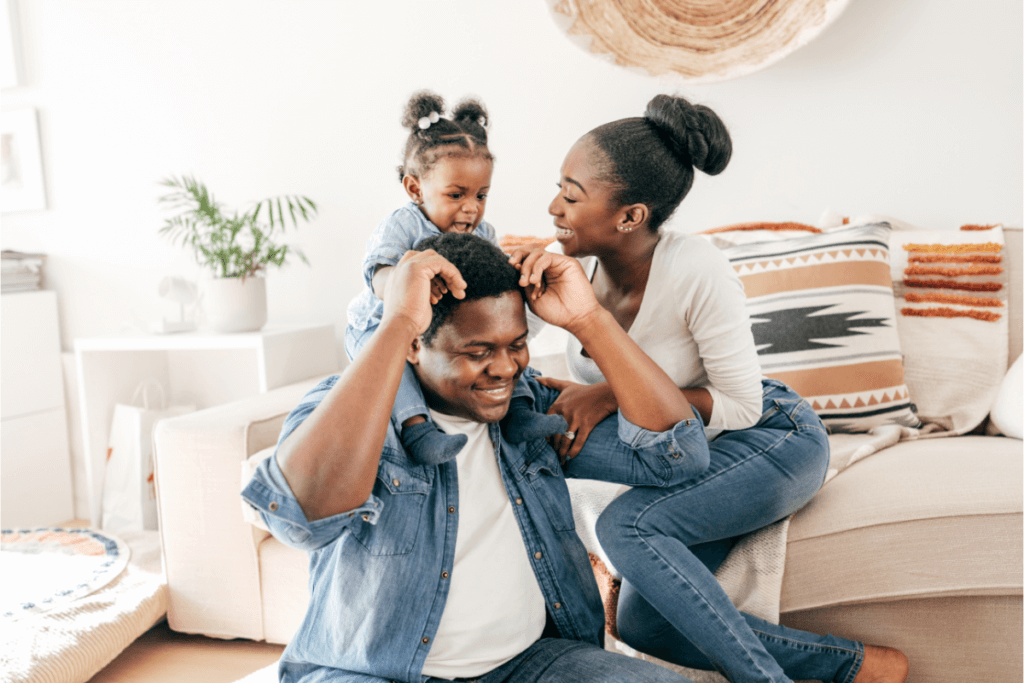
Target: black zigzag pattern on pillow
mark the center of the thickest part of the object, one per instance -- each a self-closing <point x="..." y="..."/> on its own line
<point x="796" y="329"/>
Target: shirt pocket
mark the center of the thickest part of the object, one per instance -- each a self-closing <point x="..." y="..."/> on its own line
<point x="543" y="474"/>
<point x="403" y="492"/>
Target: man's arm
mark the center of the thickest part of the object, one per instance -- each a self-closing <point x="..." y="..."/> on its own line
<point x="330" y="461"/>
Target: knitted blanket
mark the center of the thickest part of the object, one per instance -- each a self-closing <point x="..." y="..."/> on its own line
<point x="71" y="642"/>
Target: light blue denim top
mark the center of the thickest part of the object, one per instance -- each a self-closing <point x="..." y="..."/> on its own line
<point x="377" y="588"/>
<point x="396" y="234"/>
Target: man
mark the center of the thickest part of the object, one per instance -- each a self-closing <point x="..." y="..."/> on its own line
<point x="471" y="569"/>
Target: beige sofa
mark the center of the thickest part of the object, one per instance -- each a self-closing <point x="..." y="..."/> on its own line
<point x="918" y="547"/>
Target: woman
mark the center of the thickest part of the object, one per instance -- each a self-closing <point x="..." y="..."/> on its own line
<point x="681" y="302"/>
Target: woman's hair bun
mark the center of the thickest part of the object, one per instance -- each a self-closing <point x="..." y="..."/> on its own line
<point x="694" y="133"/>
<point x="421" y="104"/>
<point x="471" y="111"/>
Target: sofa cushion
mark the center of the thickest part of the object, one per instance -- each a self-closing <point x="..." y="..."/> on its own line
<point x="1008" y="407"/>
<point x="284" y="579"/>
<point x="823" y="319"/>
<point x="924" y="518"/>
<point x="951" y="306"/>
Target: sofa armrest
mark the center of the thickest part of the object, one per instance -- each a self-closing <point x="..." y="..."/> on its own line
<point x="209" y="550"/>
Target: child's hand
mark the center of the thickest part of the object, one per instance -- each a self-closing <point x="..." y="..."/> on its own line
<point x="518" y="254"/>
<point x="411" y="283"/>
<point x="438" y="288"/>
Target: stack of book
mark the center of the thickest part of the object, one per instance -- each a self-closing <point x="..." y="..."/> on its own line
<point x="21" y="272"/>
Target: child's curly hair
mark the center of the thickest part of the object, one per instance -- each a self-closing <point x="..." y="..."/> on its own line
<point x="464" y="134"/>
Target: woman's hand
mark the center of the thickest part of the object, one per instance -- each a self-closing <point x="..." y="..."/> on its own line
<point x="583" y="406"/>
<point x="557" y="290"/>
<point x="418" y="281"/>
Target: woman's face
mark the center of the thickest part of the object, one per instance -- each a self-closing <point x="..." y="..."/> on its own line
<point x="586" y="213"/>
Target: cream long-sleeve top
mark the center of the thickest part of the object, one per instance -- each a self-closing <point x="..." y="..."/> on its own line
<point x="693" y="323"/>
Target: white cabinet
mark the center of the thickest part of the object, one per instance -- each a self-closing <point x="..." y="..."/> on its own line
<point x="35" y="465"/>
<point x="200" y="369"/>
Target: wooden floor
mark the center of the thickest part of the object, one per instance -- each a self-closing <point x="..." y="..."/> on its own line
<point x="162" y="656"/>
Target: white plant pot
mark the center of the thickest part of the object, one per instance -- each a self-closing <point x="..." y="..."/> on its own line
<point x="235" y="305"/>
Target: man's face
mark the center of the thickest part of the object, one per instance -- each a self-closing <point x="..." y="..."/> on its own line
<point x="475" y="359"/>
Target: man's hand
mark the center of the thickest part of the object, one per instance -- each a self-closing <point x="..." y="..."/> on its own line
<point x="583" y="406"/>
<point x="419" y="280"/>
<point x="557" y="290"/>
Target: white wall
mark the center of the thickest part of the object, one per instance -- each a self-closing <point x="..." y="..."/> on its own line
<point x="909" y="108"/>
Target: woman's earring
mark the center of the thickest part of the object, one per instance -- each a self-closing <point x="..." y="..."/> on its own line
<point x="623" y="228"/>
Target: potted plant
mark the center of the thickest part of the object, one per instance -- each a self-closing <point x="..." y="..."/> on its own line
<point x="237" y="248"/>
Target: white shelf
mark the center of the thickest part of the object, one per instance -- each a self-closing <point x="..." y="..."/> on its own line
<point x="186" y="341"/>
<point x="196" y="368"/>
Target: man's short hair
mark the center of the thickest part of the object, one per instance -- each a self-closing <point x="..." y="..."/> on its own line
<point x="483" y="266"/>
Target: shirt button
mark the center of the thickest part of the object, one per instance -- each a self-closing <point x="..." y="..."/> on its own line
<point x="451" y="509"/>
<point x="538" y="554"/>
<point x="519" y="501"/>
<point x="396" y="482"/>
<point x="273" y="505"/>
<point x="444" y="575"/>
<point x="426" y="640"/>
<point x="558" y="605"/>
<point x="366" y="518"/>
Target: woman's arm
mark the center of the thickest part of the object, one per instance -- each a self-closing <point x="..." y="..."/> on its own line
<point x="558" y="292"/>
<point x="584" y="406"/>
<point x="330" y="461"/>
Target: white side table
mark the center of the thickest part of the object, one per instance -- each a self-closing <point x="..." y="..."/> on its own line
<point x="204" y="369"/>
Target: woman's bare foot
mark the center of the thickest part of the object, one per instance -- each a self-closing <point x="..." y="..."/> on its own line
<point x="882" y="665"/>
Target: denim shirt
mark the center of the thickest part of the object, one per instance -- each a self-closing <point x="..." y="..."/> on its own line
<point x="378" y="573"/>
<point x="398" y="233"/>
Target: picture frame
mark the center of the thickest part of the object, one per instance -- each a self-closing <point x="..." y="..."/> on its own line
<point x="22" y="187"/>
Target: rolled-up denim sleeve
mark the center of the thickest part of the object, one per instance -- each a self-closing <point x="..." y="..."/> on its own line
<point x="269" y="494"/>
<point x="620" y="452"/>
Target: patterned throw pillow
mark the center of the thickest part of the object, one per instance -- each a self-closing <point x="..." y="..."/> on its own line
<point x="824" y="322"/>
<point x="951" y="311"/>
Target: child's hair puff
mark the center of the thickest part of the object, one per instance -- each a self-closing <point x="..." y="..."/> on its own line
<point x="432" y="136"/>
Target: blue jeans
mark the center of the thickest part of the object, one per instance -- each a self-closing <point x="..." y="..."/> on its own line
<point x="553" y="660"/>
<point x="667" y="542"/>
<point x="409" y="400"/>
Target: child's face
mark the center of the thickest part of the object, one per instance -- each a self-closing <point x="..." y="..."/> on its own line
<point x="453" y="194"/>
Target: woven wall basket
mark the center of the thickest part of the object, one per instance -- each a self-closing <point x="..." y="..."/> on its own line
<point x="693" y="41"/>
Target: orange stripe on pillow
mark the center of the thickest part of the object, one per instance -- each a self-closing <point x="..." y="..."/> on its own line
<point x="953" y="271"/>
<point x="961" y="299"/>
<point x="954" y="248"/>
<point x="954" y="258"/>
<point x="953" y="284"/>
<point x="943" y="312"/>
<point x="845" y="379"/>
<point x="979" y="227"/>
<point x="813" y="277"/>
<point x="763" y="226"/>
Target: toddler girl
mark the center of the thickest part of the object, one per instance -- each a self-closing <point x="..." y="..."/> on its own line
<point x="446" y="172"/>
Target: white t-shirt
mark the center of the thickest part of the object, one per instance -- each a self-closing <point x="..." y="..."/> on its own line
<point x="693" y="323"/>
<point x="495" y="608"/>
